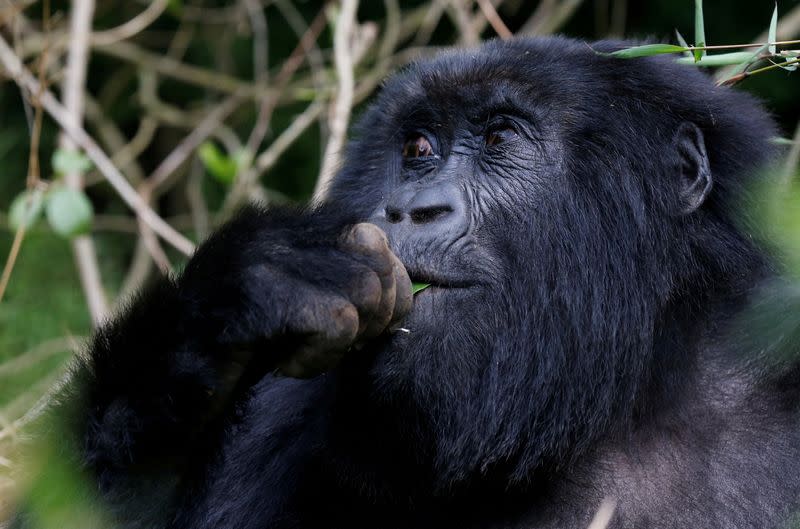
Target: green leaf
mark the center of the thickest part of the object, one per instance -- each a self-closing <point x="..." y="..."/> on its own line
<point x="243" y="159"/>
<point x="791" y="58"/>
<point x="69" y="211"/>
<point x="753" y="58"/>
<point x="773" y="30"/>
<point x="66" y="161"/>
<point x="418" y="287"/>
<point x="721" y="59"/>
<point x="26" y="209"/>
<point x="647" y="50"/>
<point x="221" y="166"/>
<point x="699" y="30"/>
<point x="682" y="42"/>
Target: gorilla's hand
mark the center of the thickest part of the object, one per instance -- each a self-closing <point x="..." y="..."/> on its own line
<point x="341" y="302"/>
<point x="271" y="290"/>
<point x="298" y="299"/>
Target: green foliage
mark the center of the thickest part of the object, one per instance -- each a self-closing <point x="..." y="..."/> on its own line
<point x="69" y="161"/>
<point x="69" y="211"/>
<point x="773" y="31"/>
<point x="418" y="287"/>
<point x="26" y="209"/>
<point x="219" y="165"/>
<point x="648" y="50"/>
<point x="722" y="59"/>
<point x="41" y="303"/>
<point x="776" y="211"/>
<point x="61" y="494"/>
<point x="682" y="42"/>
<point x="699" y="31"/>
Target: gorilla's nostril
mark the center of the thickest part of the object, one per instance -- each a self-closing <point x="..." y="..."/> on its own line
<point x="429" y="214"/>
<point x="394" y="216"/>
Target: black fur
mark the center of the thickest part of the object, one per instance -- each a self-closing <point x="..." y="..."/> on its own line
<point x="589" y="358"/>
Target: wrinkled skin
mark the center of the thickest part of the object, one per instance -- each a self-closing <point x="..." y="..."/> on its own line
<point x="574" y="215"/>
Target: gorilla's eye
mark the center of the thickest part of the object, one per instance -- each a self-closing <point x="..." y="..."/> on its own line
<point x="417" y="147"/>
<point x="502" y="134"/>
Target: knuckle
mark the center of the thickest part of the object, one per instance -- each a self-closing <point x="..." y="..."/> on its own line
<point x="367" y="238"/>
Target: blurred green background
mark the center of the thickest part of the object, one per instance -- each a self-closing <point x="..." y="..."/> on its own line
<point x="151" y="87"/>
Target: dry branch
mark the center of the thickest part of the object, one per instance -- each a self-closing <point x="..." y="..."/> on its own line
<point x="343" y="102"/>
<point x="73" y="86"/>
<point x="30" y="85"/>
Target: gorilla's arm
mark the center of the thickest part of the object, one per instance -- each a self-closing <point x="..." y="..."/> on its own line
<point x="272" y="290"/>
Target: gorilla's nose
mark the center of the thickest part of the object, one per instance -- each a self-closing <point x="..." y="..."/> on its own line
<point x="424" y="212"/>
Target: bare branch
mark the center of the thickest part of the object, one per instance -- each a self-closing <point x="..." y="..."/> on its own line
<point x="549" y="17"/>
<point x="299" y="124"/>
<point x="29" y="83"/>
<point x="494" y="19"/>
<point x="198" y="135"/>
<point x="132" y="26"/>
<point x="340" y="117"/>
<point x="258" y="24"/>
<point x="461" y="15"/>
<point x="73" y="87"/>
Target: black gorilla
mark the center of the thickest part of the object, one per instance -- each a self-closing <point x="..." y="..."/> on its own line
<point x="575" y="216"/>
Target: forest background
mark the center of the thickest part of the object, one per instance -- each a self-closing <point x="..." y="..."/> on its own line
<point x="178" y="112"/>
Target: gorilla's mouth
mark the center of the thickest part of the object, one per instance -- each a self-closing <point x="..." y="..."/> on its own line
<point x="438" y="280"/>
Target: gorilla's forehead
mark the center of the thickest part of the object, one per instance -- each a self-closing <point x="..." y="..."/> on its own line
<point x="516" y="76"/>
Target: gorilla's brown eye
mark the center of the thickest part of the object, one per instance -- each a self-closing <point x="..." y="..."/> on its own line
<point x="417" y="147"/>
<point x="500" y="135"/>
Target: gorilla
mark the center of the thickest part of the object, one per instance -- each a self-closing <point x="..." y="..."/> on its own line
<point x="577" y="219"/>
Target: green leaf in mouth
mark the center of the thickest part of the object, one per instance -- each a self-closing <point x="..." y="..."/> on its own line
<point x="419" y="287"/>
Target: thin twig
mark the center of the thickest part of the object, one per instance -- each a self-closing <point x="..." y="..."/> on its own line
<point x="494" y="19"/>
<point x="197" y="202"/>
<point x="343" y="60"/>
<point x="12" y="259"/>
<point x="431" y="19"/>
<point x="199" y="134"/>
<point x="37" y="354"/>
<point x="788" y="27"/>
<point x="132" y="26"/>
<point x="32" y="180"/>
<point x="267" y="159"/>
<point x="73" y="86"/>
<point x="391" y="31"/>
<point x="244" y="182"/>
<point x="171" y="163"/>
<point x="22" y="77"/>
<point x="549" y="17"/>
<point x="461" y="15"/>
<point x="749" y="73"/>
<point x="258" y="24"/>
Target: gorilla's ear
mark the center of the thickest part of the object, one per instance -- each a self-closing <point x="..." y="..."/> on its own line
<point x="694" y="171"/>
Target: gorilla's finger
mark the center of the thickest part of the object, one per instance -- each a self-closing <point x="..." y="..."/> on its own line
<point x="370" y="241"/>
<point x="404" y="298"/>
<point x="381" y="317"/>
<point x="330" y="325"/>
<point x="365" y="291"/>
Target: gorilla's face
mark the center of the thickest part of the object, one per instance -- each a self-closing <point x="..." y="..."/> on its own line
<point x="555" y="201"/>
<point x="470" y="166"/>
